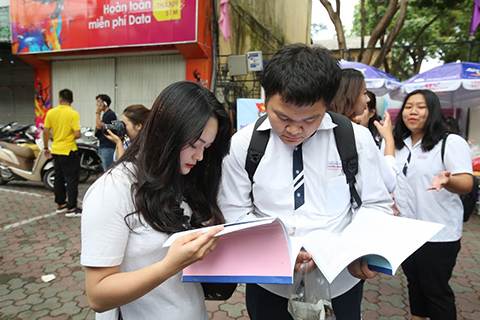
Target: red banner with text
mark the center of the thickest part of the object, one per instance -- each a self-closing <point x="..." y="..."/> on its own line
<point x="58" y="25"/>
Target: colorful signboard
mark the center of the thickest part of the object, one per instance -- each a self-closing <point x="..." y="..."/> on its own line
<point x="58" y="25"/>
<point x="43" y="101"/>
<point x="248" y="111"/>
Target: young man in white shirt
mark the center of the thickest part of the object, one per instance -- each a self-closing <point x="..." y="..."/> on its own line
<point x="300" y="82"/>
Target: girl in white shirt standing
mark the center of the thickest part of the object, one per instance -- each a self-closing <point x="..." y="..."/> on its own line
<point x="167" y="181"/>
<point x="427" y="189"/>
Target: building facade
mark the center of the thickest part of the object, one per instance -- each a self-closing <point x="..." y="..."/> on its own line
<point x="132" y="49"/>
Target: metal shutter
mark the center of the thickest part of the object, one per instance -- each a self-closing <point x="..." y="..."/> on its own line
<point x="86" y="78"/>
<point x="140" y="79"/>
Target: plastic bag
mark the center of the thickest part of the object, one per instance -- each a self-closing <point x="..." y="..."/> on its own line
<point x="311" y="299"/>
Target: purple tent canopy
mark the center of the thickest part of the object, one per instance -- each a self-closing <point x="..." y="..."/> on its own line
<point x="457" y="84"/>
<point x="378" y="81"/>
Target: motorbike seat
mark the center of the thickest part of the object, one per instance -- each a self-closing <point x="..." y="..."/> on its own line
<point x="23" y="152"/>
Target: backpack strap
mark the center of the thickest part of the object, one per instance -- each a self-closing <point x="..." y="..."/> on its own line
<point x="345" y="140"/>
<point x="257" y="147"/>
<point x="444" y="143"/>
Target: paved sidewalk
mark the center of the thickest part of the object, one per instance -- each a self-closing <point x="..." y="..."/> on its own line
<point x="35" y="242"/>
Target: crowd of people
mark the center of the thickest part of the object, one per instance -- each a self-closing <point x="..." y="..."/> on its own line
<point x="180" y="168"/>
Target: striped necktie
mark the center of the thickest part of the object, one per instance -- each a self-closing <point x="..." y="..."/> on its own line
<point x="298" y="181"/>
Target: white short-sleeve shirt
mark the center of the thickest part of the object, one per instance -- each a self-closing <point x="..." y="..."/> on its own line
<point x="107" y="241"/>
<point x="412" y="198"/>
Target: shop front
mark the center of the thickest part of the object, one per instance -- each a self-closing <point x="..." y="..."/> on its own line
<point x="130" y="50"/>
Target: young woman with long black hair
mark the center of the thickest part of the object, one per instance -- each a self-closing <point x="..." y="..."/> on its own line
<point x="167" y="181"/>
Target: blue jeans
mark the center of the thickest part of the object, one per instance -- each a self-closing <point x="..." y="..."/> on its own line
<point x="106" y="154"/>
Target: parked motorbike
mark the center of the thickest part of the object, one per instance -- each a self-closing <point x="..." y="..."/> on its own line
<point x="20" y="134"/>
<point x="5" y="131"/>
<point x="90" y="162"/>
<point x="87" y="145"/>
<point x="5" y="127"/>
<point x="26" y="161"/>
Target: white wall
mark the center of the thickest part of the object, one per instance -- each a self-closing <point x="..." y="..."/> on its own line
<point x="474" y="128"/>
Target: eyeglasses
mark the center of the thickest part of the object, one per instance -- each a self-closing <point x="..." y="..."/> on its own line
<point x="405" y="167"/>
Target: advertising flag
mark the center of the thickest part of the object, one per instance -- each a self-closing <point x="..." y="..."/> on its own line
<point x="224" y="21"/>
<point x="475" y="17"/>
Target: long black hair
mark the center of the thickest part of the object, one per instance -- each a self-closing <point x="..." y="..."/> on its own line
<point x="177" y="118"/>
<point x="434" y="129"/>
<point x="372" y="106"/>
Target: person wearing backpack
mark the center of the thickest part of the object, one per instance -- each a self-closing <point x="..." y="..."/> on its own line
<point x="301" y="173"/>
<point x="428" y="189"/>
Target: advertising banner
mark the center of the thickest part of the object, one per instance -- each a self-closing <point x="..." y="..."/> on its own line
<point x="43" y="101"/>
<point x="248" y="111"/>
<point x="58" y="25"/>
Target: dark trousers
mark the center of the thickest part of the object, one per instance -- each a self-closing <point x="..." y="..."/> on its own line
<point x="428" y="271"/>
<point x="67" y="170"/>
<point x="264" y="305"/>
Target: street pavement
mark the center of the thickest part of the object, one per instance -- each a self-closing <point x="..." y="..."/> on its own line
<point x="34" y="242"/>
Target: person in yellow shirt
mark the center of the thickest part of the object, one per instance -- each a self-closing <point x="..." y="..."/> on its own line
<point x="64" y="122"/>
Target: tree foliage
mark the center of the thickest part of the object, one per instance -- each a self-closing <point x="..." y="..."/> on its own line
<point x="316" y="28"/>
<point x="411" y="31"/>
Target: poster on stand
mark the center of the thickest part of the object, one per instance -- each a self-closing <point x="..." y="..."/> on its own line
<point x="248" y="111"/>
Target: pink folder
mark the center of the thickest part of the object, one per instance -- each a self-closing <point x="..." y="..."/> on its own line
<point x="256" y="254"/>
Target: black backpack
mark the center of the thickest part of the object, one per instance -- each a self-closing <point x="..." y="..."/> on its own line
<point x="469" y="200"/>
<point x="344" y="138"/>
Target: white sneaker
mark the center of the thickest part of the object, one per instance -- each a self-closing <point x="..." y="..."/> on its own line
<point x="77" y="212"/>
<point x="61" y="208"/>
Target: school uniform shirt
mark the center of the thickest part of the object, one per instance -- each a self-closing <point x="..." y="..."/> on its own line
<point x="412" y="198"/>
<point x="388" y="168"/>
<point x="107" y="241"/>
<point x="327" y="195"/>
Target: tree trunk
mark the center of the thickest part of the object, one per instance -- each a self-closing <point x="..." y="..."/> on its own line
<point x="362" y="40"/>
<point x="380" y="29"/>
<point x="337" y="22"/>
<point x="402" y="13"/>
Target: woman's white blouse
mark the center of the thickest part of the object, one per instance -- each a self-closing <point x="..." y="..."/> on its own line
<point x="107" y="241"/>
<point x="412" y="198"/>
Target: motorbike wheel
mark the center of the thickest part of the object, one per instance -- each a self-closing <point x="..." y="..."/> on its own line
<point x="84" y="175"/>
<point x="2" y="182"/>
<point x="49" y="178"/>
